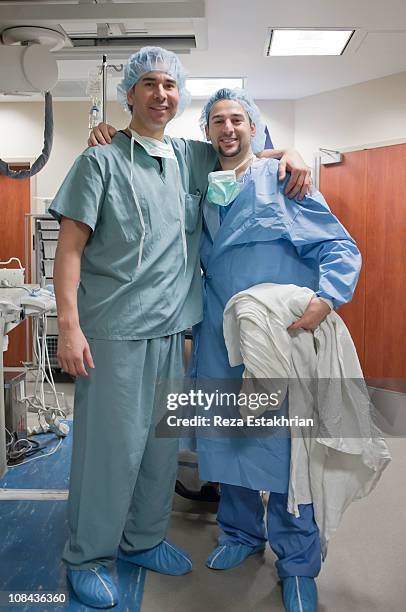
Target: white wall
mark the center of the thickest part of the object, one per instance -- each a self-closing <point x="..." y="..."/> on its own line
<point x="279" y="116"/>
<point x="363" y="114"/>
<point x="21" y="129"/>
<point x="22" y="124"/>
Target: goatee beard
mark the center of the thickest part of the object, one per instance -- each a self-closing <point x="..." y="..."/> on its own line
<point x="234" y="154"/>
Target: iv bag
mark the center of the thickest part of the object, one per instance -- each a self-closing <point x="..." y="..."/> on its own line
<point x="94" y="91"/>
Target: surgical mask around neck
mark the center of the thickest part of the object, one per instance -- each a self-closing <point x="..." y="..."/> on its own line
<point x="224" y="186"/>
<point x="154" y="147"/>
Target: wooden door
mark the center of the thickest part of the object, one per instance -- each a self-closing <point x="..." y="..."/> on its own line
<point x="344" y="187"/>
<point x="385" y="325"/>
<point x="14" y="204"/>
<point x="368" y="194"/>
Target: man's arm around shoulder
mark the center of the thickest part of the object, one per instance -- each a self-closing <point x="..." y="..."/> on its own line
<point x="300" y="180"/>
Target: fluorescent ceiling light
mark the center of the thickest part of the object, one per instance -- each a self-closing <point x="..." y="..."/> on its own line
<point x="308" y="42"/>
<point x="201" y="88"/>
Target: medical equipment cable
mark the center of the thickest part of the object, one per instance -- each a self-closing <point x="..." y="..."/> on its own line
<point x="41" y="355"/>
<point x="37" y="400"/>
<point x="51" y="452"/>
<point x="40" y="162"/>
<point x="32" y="451"/>
<point x="14" y="452"/>
<point x="16" y="449"/>
<point x="11" y="436"/>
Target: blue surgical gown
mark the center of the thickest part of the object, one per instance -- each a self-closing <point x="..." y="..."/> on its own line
<point x="263" y="237"/>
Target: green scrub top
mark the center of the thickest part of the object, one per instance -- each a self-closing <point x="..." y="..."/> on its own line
<point x="117" y="300"/>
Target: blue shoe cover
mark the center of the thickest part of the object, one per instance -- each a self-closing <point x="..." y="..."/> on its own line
<point x="164" y="558"/>
<point x="94" y="587"/>
<point x="299" y="594"/>
<point x="230" y="555"/>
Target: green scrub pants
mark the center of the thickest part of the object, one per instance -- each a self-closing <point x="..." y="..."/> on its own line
<point x="122" y="477"/>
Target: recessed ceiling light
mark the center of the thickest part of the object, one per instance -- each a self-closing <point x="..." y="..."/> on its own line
<point x="201" y="88"/>
<point x="307" y="42"/>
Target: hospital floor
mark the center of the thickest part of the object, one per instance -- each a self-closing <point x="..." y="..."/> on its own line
<point x="364" y="571"/>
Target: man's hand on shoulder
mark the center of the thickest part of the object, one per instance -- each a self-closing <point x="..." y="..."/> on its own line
<point x="102" y="134"/>
<point x="300" y="181"/>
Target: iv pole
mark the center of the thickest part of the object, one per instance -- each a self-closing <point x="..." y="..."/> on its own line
<point x="104" y="68"/>
<point x="104" y="88"/>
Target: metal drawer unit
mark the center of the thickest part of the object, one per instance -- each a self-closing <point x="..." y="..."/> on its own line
<point x="45" y="239"/>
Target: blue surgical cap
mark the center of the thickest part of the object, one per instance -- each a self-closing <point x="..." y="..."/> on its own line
<point x="146" y="60"/>
<point x="248" y="104"/>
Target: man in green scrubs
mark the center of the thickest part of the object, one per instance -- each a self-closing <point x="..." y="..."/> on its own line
<point x="130" y="232"/>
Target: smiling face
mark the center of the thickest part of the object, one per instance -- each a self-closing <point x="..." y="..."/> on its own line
<point x="229" y="129"/>
<point x="154" y="101"/>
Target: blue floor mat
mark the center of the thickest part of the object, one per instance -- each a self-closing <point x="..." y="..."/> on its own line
<point x="33" y="534"/>
<point x="46" y="473"/>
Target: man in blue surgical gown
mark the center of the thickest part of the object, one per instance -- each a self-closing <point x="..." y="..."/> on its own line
<point x="252" y="234"/>
<point x="130" y="233"/>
